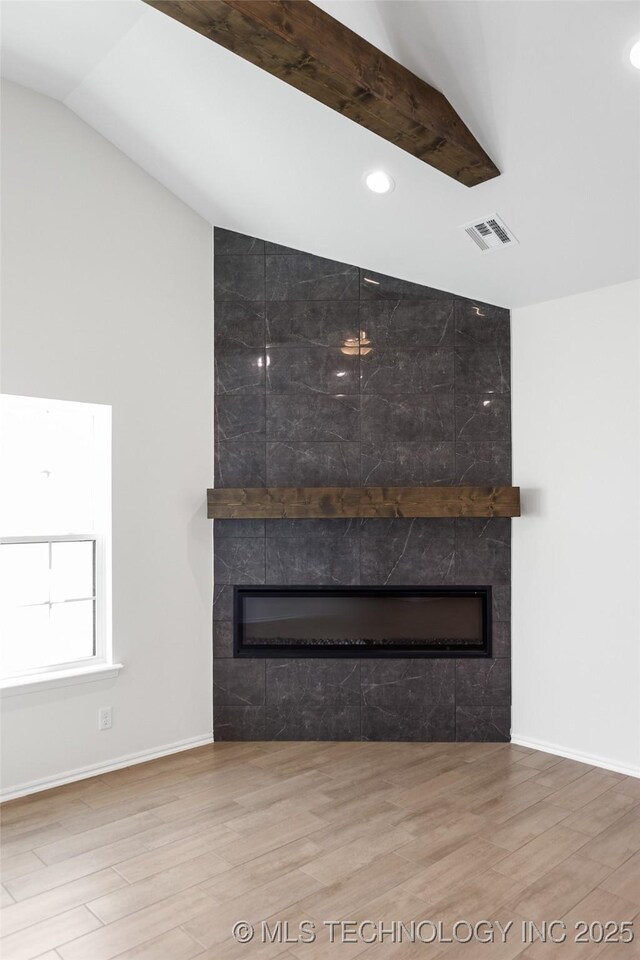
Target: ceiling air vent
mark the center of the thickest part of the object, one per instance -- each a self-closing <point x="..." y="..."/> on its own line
<point x="490" y="233"/>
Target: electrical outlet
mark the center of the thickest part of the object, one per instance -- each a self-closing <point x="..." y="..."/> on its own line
<point x="105" y="718"/>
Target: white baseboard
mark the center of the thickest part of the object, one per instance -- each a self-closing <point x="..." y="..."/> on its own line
<point x="96" y="769"/>
<point x="595" y="761"/>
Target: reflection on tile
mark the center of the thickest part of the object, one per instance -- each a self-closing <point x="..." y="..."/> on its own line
<point x="321" y="561"/>
<point x="483" y="463"/>
<point x="408" y="464"/>
<point x="305" y="277"/>
<point x="483" y="724"/>
<point x="402" y="370"/>
<point x="239" y="464"/>
<point x="482" y="367"/>
<point x="315" y="323"/>
<point x="239" y="325"/>
<point x="239" y="683"/>
<point x="226" y="241"/>
<point x="408" y="418"/>
<point x="312" y="370"/>
<point x="407" y="552"/>
<point x="378" y="286"/>
<point x="481" y="322"/>
<point x="483" y="416"/>
<point x="313" y="464"/>
<point x="239" y="278"/>
<point x="239" y="370"/>
<point x="240" y="417"/>
<point x="406" y="323"/>
<point x="313" y="418"/>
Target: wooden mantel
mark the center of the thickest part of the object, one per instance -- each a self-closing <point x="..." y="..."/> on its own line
<point x="273" y="503"/>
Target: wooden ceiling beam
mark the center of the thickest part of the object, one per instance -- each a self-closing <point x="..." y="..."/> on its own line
<point x="301" y="44"/>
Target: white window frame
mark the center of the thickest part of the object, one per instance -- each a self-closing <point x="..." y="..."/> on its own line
<point x="101" y="664"/>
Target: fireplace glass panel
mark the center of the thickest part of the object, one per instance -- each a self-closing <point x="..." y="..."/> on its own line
<point x="362" y="621"/>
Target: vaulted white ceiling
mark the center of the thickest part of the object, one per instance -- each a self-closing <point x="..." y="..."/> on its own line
<point x="546" y="87"/>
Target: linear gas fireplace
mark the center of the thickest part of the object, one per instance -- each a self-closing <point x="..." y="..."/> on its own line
<point x="362" y="622"/>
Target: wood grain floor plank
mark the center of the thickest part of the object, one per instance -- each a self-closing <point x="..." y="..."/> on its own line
<point x="208" y="822"/>
<point x="47" y="905"/>
<point x="342" y="861"/>
<point x="625" y="881"/>
<point x="506" y="948"/>
<point x="440" y="878"/>
<point x="253" y="845"/>
<point x="510" y="801"/>
<point x="559" y="889"/>
<point x="629" y="786"/>
<point x="582" y="791"/>
<point x="33" y="839"/>
<point x="596" y="906"/>
<point x="158" y="862"/>
<point x="275" y="813"/>
<point x="538" y="856"/>
<point x="483" y="895"/>
<point x="48" y="934"/>
<point x="442" y="840"/>
<point x="19" y="865"/>
<point x="6" y="900"/>
<point x="540" y="761"/>
<point x="69" y="847"/>
<point x="600" y="813"/>
<point x="525" y="825"/>
<point x="143" y="893"/>
<point x="618" y="842"/>
<point x="236" y="881"/>
<point x="600" y="905"/>
<point x="174" y="945"/>
<point x="348" y="894"/>
<point x="171" y="854"/>
<point x="115" y="938"/>
<point x="377" y="816"/>
<point x="562" y="773"/>
<point x="47" y="878"/>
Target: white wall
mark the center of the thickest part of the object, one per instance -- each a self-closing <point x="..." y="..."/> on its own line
<point x="107" y="298"/>
<point x="576" y="559"/>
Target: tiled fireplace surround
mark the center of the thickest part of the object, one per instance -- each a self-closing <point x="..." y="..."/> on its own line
<point x="428" y="403"/>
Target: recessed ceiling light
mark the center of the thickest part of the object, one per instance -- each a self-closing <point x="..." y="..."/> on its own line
<point x="634" y="55"/>
<point x="379" y="182"/>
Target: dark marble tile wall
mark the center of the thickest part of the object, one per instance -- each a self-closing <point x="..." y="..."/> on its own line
<point x="425" y="399"/>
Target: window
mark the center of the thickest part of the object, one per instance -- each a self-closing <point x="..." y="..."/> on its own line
<point x="55" y="529"/>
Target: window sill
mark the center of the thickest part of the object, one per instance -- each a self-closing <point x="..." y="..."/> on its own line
<point x="16" y="686"/>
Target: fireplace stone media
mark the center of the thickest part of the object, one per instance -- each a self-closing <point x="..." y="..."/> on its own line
<point x="303" y="401"/>
<point x="375" y="621"/>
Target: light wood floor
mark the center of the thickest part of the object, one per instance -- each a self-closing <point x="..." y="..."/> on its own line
<point x="158" y="861"/>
